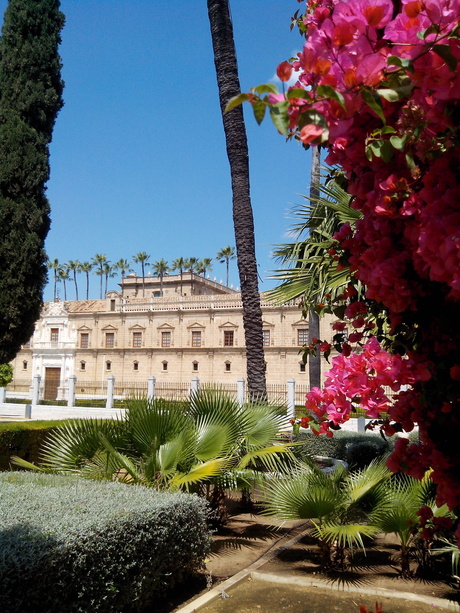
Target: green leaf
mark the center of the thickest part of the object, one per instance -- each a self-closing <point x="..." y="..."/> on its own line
<point x="389" y="94"/>
<point x="387" y="130"/>
<point x="329" y="92"/>
<point x="410" y="161"/>
<point x="280" y="117"/>
<point x="386" y="151"/>
<point x="266" y="88"/>
<point x="433" y="29"/>
<point x="398" y="142"/>
<point x="446" y="54"/>
<point x="259" y="109"/>
<point x="297" y="92"/>
<point x="236" y="101"/>
<point x="373" y="101"/>
<point x="401" y="62"/>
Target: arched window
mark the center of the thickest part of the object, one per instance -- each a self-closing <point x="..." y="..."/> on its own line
<point x="165" y="366"/>
<point x="25" y="365"/>
<point x="108" y="365"/>
<point x="195" y="366"/>
<point x="228" y="366"/>
<point x="135" y="365"/>
<point x="82" y="365"/>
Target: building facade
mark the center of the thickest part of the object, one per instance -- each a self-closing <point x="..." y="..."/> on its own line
<point x="173" y="329"/>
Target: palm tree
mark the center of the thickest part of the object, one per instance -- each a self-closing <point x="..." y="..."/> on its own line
<point x="180" y="264"/>
<point x="225" y="255"/>
<point x="160" y="269"/>
<point x="99" y="261"/>
<point x="63" y="273"/>
<point x="309" y="271"/>
<point x="203" y="266"/>
<point x="192" y="264"/>
<point x="86" y="267"/>
<point x="123" y="265"/>
<point x="55" y="266"/>
<point x="74" y="266"/>
<point x="243" y="221"/>
<point x="109" y="271"/>
<point x="142" y="258"/>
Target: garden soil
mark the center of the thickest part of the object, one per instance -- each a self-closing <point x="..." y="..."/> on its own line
<point x="248" y="537"/>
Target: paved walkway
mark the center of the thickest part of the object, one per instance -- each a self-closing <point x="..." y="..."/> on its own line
<point x="17" y="412"/>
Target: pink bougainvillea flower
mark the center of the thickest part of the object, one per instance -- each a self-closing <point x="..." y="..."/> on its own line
<point x="310" y="133"/>
<point x="284" y="71"/>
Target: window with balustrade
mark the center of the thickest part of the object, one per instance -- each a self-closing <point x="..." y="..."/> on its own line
<point x="54" y="335"/>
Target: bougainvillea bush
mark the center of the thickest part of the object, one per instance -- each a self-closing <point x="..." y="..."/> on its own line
<point x="378" y="87"/>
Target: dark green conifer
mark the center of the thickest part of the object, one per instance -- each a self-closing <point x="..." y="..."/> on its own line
<point x="30" y="99"/>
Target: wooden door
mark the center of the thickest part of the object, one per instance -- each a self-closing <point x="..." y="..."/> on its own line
<point x="52" y="382"/>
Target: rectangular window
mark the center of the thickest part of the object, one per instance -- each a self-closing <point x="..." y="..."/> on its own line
<point x="54" y="336"/>
<point x="266" y="338"/>
<point x="166" y="339"/>
<point x="84" y="340"/>
<point x="228" y="338"/>
<point x="196" y="339"/>
<point x="110" y="339"/>
<point x="302" y="336"/>
<point x="137" y="339"/>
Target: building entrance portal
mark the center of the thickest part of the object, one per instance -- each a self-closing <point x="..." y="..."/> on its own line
<point x="52" y="382"/>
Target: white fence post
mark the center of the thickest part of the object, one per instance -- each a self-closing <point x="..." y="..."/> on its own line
<point x="110" y="389"/>
<point x="2" y="395"/>
<point x="361" y="424"/>
<point x="36" y="390"/>
<point x="291" y="398"/>
<point x="72" y="386"/>
<point x="151" y="388"/>
<point x="240" y="393"/>
<point x="195" y="386"/>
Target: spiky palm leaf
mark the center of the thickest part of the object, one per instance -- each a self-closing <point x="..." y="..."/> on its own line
<point x="310" y="272"/>
<point x="344" y="535"/>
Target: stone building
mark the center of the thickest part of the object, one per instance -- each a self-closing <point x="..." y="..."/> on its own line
<point x="173" y="329"/>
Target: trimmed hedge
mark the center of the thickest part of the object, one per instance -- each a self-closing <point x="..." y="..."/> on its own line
<point x="357" y="449"/>
<point x="74" y="545"/>
<point x="23" y="439"/>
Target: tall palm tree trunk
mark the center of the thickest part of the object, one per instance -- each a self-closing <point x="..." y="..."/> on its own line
<point x="314" y="361"/>
<point x="237" y="152"/>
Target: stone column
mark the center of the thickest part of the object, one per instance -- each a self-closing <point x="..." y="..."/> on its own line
<point x="110" y="388"/>
<point x="2" y="395"/>
<point x="240" y="391"/>
<point x="151" y="388"/>
<point x="195" y="386"/>
<point x="361" y="425"/>
<point x="72" y="386"/>
<point x="36" y="390"/>
<point x="290" y="401"/>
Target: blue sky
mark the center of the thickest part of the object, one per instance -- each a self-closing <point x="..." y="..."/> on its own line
<point x="138" y="160"/>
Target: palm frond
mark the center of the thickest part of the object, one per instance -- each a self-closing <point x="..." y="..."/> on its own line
<point x="345" y="535"/>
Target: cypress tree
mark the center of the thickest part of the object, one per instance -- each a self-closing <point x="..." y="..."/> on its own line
<point x="30" y="99"/>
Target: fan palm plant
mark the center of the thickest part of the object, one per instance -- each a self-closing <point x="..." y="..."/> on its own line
<point x="397" y="513"/>
<point x="205" y="447"/>
<point x="334" y="502"/>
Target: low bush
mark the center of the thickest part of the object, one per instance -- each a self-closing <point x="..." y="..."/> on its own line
<point x="23" y="439"/>
<point x="355" y="448"/>
<point x="74" y="545"/>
